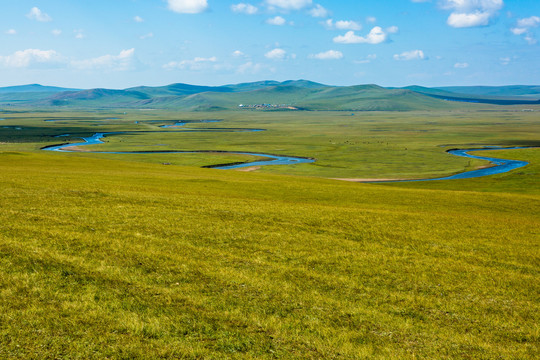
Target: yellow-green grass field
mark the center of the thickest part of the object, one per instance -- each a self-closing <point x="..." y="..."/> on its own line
<point x="119" y="257"/>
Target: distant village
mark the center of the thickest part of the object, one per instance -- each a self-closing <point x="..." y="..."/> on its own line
<point x="267" y="106"/>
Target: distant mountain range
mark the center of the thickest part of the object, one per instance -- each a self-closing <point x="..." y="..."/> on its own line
<point x="286" y="95"/>
<point x="33" y="88"/>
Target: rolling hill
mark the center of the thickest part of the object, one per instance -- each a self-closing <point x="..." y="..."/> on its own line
<point x="268" y="94"/>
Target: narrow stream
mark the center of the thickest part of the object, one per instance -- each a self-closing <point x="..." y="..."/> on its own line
<point x="500" y="165"/>
<point x="274" y="159"/>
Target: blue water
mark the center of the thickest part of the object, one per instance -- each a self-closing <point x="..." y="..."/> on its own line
<point x="184" y="122"/>
<point x="173" y="125"/>
<point x="501" y="165"/>
<point x="275" y="159"/>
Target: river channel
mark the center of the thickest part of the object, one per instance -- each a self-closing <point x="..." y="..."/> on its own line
<point x="498" y="166"/>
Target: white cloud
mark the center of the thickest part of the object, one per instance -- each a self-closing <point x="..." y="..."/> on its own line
<point x="348" y="25"/>
<point x="276" y="54"/>
<point x="56" y="32"/>
<point x="252" y="68"/>
<point x="188" y="6"/>
<point x="371" y="19"/>
<point x="461" y="65"/>
<point x="289" y="4"/>
<point x="146" y="36"/>
<point x="238" y="53"/>
<point x="470" y="13"/>
<point x="138" y="19"/>
<point x="36" y="14"/>
<point x="523" y="28"/>
<point x="121" y="62"/>
<point x="366" y="60"/>
<point x="327" y="55"/>
<point x="78" y="34"/>
<point x="518" y="31"/>
<point x="462" y="20"/>
<point x="11" y="32"/>
<point x="244" y="8"/>
<point x="392" y="30"/>
<point x="376" y="36"/>
<point x="472" y="5"/>
<point x="530" y="39"/>
<point x="30" y="57"/>
<point x="410" y="55"/>
<point x="249" y="67"/>
<point x="278" y="20"/>
<point x="342" y="25"/>
<point x="529" y="22"/>
<point x="319" y="11"/>
<point x="198" y="63"/>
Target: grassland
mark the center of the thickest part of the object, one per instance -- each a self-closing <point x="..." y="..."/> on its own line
<point x="115" y="256"/>
<point x="364" y="145"/>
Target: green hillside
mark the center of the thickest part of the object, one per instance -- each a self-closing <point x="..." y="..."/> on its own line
<point x="532" y="91"/>
<point x="297" y="94"/>
<point x="300" y="94"/>
<point x="112" y="259"/>
<point x="34" y="88"/>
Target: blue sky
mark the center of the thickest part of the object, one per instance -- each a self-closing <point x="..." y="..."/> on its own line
<point x="123" y="43"/>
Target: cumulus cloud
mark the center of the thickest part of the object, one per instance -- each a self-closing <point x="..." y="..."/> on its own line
<point x="138" y="19"/>
<point x="348" y="25"/>
<point x="471" y="13"/>
<point x="410" y="55"/>
<point x="121" y="62"/>
<point x="461" y="65"/>
<point x="289" y="4"/>
<point x="371" y="19"/>
<point x="342" y="25"/>
<point x="276" y="54"/>
<point x="529" y="22"/>
<point x="244" y="8"/>
<point x="278" y="20"/>
<point x="462" y="20"/>
<point x="518" y="31"/>
<point x="238" y="53"/>
<point x="36" y="14"/>
<point x="319" y="11"/>
<point x="31" y="57"/>
<point x="198" y="63"/>
<point x="376" y="36"/>
<point x="11" y="32"/>
<point x="327" y="55"/>
<point x="523" y="27"/>
<point x="56" y="32"/>
<point x="188" y="6"/>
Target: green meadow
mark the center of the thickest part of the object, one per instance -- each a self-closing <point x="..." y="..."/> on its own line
<point x="118" y="256"/>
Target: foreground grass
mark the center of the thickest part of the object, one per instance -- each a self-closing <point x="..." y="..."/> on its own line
<point x="109" y="259"/>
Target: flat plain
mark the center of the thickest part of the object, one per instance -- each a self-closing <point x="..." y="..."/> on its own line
<point x="120" y="256"/>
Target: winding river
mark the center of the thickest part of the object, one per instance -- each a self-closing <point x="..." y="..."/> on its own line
<point x="273" y="159"/>
<point x="499" y="165"/>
